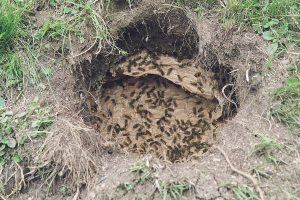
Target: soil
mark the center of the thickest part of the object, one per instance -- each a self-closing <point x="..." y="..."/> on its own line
<point x="233" y="107"/>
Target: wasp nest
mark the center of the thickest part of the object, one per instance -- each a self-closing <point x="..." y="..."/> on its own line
<point x="160" y="105"/>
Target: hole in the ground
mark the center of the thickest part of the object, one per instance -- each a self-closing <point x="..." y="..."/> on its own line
<point x="158" y="99"/>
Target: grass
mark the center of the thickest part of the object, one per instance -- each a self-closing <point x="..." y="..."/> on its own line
<point x="276" y="20"/>
<point x="143" y="174"/>
<point x="173" y="190"/>
<point x="287" y="109"/>
<point x="266" y="148"/>
<point x="18" y="54"/>
<point x="19" y="128"/>
<point x="243" y="192"/>
<point x="10" y="23"/>
<point x="10" y="26"/>
<point x="22" y="44"/>
<point x="74" y="18"/>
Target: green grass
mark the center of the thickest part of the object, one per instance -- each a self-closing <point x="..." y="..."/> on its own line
<point x="276" y="20"/>
<point x="74" y="18"/>
<point x="287" y="109"/>
<point x="18" y="64"/>
<point x="243" y="192"/>
<point x="10" y="23"/>
<point x="173" y="190"/>
<point x="19" y="128"/>
<point x="10" y="26"/>
<point x="22" y="45"/>
<point x="266" y="148"/>
<point x="142" y="174"/>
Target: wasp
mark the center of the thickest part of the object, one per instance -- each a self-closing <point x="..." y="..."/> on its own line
<point x="136" y="126"/>
<point x="174" y="139"/>
<point x="106" y="98"/>
<point x="117" y="128"/>
<point x="143" y="89"/>
<point x="201" y="89"/>
<point x="136" y="59"/>
<point x="152" y="89"/>
<point x="138" y="135"/>
<point x="175" y="103"/>
<point x="114" y="102"/>
<point x="200" y="109"/>
<point x="135" y="73"/>
<point x="148" y="133"/>
<point x="149" y="120"/>
<point x="179" y="136"/>
<point x="149" y="140"/>
<point x="169" y="71"/>
<point x="148" y="100"/>
<point x="181" y="65"/>
<point x="129" y="140"/>
<point x="148" y="63"/>
<point x="164" y="84"/>
<point x="127" y="117"/>
<point x="131" y="104"/>
<point x="197" y="74"/>
<point x="109" y="128"/>
<point x="132" y="93"/>
<point x="167" y="133"/>
<point x="179" y="78"/>
<point x="109" y="112"/>
<point x="126" y="123"/>
<point x="141" y="69"/>
<point x="162" y="141"/>
<point x="143" y="148"/>
<point x="201" y="115"/>
<point x="129" y="68"/>
<point x="155" y="143"/>
<point x="152" y="67"/>
<point x="138" y="97"/>
<point x="162" y="129"/>
<point x="161" y="71"/>
<point x="155" y="96"/>
<point x="124" y="96"/>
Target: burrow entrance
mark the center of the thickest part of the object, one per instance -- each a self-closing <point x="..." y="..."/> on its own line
<point x="158" y="98"/>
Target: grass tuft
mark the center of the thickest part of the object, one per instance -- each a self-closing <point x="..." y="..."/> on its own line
<point x="10" y="21"/>
<point x="243" y="192"/>
<point x="142" y="173"/>
<point x="288" y="95"/>
<point x="266" y="148"/>
<point x="173" y="190"/>
<point x="276" y="20"/>
<point x="19" y="128"/>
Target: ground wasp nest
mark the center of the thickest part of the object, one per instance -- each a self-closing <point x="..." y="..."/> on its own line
<point x="159" y="98"/>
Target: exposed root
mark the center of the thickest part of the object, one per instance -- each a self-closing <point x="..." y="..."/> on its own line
<point x="76" y="194"/>
<point x="70" y="154"/>
<point x="227" y="98"/>
<point x="246" y="175"/>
